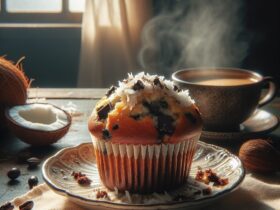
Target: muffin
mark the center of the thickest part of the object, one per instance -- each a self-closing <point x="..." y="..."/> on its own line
<point x="144" y="134"/>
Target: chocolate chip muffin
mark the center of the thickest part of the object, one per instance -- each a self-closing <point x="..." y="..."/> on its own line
<point x="144" y="133"/>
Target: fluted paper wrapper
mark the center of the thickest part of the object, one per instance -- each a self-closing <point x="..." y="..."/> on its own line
<point x="144" y="168"/>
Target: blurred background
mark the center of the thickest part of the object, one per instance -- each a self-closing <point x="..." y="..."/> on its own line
<point x="74" y="43"/>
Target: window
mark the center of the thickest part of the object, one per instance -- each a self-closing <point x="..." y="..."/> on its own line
<point x="41" y="11"/>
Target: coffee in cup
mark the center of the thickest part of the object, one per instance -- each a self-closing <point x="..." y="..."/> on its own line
<point x="226" y="97"/>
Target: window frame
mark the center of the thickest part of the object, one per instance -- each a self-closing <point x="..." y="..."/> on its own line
<point x="65" y="16"/>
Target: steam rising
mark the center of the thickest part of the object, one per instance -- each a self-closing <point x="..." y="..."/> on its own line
<point x="195" y="33"/>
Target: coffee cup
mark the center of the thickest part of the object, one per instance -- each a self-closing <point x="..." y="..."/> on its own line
<point x="226" y="97"/>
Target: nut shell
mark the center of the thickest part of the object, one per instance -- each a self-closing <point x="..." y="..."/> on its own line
<point x="260" y="156"/>
<point x="37" y="137"/>
<point x="13" y="87"/>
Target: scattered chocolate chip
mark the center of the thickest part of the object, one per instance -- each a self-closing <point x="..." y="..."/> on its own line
<point x="115" y="127"/>
<point x="33" y="162"/>
<point x="28" y="205"/>
<point x="157" y="82"/>
<point x="103" y="111"/>
<point x="32" y="181"/>
<point x="138" y="85"/>
<point x="190" y="117"/>
<point x="136" y="116"/>
<point x="106" y="134"/>
<point x="7" y="206"/>
<point x="110" y="91"/>
<point x="206" y="191"/>
<point x="13" y="173"/>
<point x="101" y="194"/>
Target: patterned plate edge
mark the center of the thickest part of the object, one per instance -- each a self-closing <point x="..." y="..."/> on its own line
<point x="139" y="206"/>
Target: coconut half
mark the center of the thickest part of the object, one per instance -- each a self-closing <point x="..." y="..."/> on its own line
<point x="38" y="123"/>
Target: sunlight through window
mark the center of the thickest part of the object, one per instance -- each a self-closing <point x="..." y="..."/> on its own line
<point x="77" y="5"/>
<point x="34" y="6"/>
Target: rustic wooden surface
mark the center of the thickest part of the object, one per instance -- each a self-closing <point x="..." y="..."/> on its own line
<point x="84" y="100"/>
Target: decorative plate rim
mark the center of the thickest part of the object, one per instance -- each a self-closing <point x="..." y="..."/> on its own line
<point x="190" y="203"/>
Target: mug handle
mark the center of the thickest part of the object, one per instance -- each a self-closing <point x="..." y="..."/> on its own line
<point x="271" y="93"/>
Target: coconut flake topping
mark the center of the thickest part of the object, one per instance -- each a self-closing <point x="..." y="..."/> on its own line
<point x="131" y="87"/>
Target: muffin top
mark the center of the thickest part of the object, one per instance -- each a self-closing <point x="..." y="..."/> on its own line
<point x="145" y="109"/>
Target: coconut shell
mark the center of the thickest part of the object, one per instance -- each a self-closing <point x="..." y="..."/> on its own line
<point x="13" y="87"/>
<point x="37" y="137"/>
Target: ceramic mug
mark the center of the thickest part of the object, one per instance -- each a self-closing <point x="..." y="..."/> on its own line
<point x="226" y="97"/>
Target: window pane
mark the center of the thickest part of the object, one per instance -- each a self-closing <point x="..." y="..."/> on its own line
<point x="77" y="5"/>
<point x="35" y="6"/>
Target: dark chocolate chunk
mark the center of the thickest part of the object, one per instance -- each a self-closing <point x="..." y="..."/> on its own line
<point x="157" y="82"/>
<point x="176" y="88"/>
<point x="190" y="117"/>
<point x="153" y="107"/>
<point x="103" y="111"/>
<point x="28" y="205"/>
<point x="106" y="134"/>
<point x="163" y="104"/>
<point x="165" y="124"/>
<point x="110" y="91"/>
<point x="7" y="206"/>
<point x="136" y="116"/>
<point x="115" y="127"/>
<point x="138" y="85"/>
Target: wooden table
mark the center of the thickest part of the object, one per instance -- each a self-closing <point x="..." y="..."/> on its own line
<point x="12" y="149"/>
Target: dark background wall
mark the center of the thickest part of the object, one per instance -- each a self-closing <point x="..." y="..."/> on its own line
<point x="52" y="54"/>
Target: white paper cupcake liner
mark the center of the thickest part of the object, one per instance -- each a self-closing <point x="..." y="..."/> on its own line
<point x="144" y="168"/>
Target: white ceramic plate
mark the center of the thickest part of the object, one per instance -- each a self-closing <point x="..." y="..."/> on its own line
<point x="58" y="168"/>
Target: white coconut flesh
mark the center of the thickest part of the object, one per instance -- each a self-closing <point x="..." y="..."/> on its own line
<point x="44" y="117"/>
